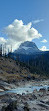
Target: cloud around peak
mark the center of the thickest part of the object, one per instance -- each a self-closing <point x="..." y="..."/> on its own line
<point x="44" y="48"/>
<point x="20" y="32"/>
<point x="17" y="32"/>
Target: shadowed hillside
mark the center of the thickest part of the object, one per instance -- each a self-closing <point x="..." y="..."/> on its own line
<point x="12" y="71"/>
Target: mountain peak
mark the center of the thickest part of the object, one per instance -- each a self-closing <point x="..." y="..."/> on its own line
<point x="27" y="48"/>
<point x="28" y="44"/>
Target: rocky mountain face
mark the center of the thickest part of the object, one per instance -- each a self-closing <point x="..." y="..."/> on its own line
<point x="27" y="48"/>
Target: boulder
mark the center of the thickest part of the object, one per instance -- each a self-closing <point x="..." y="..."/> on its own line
<point x="42" y="90"/>
<point x="48" y="88"/>
<point x="11" y="106"/>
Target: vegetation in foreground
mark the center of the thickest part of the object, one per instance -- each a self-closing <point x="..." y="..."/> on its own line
<point x="12" y="71"/>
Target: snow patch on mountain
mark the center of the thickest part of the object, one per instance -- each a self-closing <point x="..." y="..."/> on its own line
<point x="26" y="48"/>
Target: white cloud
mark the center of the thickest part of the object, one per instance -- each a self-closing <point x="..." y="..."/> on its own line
<point x="37" y="21"/>
<point x="20" y="32"/>
<point x="17" y="33"/>
<point x="2" y="40"/>
<point x="44" y="48"/>
<point x="44" y="41"/>
<point x="9" y="43"/>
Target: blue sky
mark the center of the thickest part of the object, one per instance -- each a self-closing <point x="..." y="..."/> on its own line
<point x="35" y="11"/>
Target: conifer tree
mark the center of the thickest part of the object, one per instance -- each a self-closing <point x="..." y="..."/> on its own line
<point x="1" y="50"/>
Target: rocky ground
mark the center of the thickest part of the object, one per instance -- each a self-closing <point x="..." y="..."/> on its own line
<point x="35" y="101"/>
<point x="13" y="76"/>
